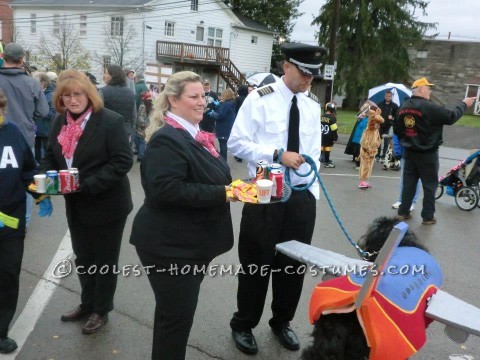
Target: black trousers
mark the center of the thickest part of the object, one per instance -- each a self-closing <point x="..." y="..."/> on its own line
<point x="223" y="148"/>
<point x="97" y="249"/>
<point x="261" y="228"/>
<point x="176" y="298"/>
<point x="40" y="147"/>
<point x="420" y="165"/>
<point x="11" y="254"/>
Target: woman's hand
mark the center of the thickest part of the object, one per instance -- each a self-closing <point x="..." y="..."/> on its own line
<point x="229" y="198"/>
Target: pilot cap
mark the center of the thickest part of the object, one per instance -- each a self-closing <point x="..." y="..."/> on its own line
<point x="306" y="57"/>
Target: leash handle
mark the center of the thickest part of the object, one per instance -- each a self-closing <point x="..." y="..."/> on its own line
<point x="314" y="169"/>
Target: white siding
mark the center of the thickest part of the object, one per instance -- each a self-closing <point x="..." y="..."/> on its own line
<point x="250" y="57"/>
<point x="246" y="56"/>
<point x="93" y="42"/>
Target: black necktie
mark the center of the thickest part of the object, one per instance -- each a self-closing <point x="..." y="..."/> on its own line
<point x="293" y="143"/>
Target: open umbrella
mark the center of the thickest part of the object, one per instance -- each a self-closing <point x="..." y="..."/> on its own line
<point x="399" y="92"/>
<point x="261" y="79"/>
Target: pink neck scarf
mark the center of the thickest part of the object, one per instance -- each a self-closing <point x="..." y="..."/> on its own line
<point x="204" y="138"/>
<point x="71" y="133"/>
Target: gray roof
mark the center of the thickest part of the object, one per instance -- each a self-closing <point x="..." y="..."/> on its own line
<point x="251" y="24"/>
<point x="80" y="3"/>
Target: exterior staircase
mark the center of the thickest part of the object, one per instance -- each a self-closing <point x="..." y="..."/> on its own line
<point x="219" y="57"/>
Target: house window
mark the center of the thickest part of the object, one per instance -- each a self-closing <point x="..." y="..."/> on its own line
<point x="107" y="60"/>
<point x="194" y="5"/>
<point x="422" y="54"/>
<point x="83" y="25"/>
<point x="56" y="24"/>
<point x="200" y="33"/>
<point x="116" y="26"/>
<point x="169" y="28"/>
<point x="254" y="40"/>
<point x="33" y="23"/>
<point x="214" y="37"/>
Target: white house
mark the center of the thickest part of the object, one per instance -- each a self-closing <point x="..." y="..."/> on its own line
<point x="200" y="35"/>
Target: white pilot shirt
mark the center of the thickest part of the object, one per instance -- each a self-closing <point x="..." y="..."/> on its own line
<point x="261" y="126"/>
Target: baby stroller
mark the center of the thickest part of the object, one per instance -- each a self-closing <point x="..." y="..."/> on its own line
<point x="463" y="182"/>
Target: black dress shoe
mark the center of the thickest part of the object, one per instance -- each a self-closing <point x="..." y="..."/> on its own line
<point x="7" y="345"/>
<point x="76" y="314"/>
<point x="95" y="322"/>
<point x="287" y="337"/>
<point x="245" y="342"/>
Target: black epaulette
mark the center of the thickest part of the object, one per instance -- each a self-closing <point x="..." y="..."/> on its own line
<point x="265" y="90"/>
<point x="313" y="97"/>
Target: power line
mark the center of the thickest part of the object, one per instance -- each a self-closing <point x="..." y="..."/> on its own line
<point x="102" y="13"/>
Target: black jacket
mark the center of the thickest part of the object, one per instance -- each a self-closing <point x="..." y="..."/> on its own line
<point x="208" y="122"/>
<point x="121" y="99"/>
<point x="103" y="158"/>
<point x="419" y="123"/>
<point x="185" y="214"/>
<point x="387" y="109"/>
<point x="17" y="167"/>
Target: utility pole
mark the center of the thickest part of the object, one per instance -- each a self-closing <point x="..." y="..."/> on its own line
<point x="332" y="46"/>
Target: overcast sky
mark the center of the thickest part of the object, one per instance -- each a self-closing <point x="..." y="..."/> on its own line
<point x="460" y="18"/>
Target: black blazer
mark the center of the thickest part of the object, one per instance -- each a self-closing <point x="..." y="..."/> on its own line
<point x="185" y="214"/>
<point x="103" y="158"/>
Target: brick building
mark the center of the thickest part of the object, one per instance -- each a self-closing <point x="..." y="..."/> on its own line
<point x="453" y="66"/>
<point x="6" y="22"/>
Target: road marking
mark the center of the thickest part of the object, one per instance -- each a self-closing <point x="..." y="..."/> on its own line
<point x="39" y="299"/>
<point x="356" y="175"/>
<point x="460" y="357"/>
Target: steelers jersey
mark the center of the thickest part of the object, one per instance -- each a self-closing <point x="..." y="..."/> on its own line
<point x="329" y="129"/>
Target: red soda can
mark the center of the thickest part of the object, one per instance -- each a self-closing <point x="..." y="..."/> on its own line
<point x="65" y="182"/>
<point x="74" y="179"/>
<point x="277" y="177"/>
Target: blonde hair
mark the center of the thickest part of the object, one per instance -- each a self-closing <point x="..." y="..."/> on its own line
<point x="69" y="80"/>
<point x="227" y="94"/>
<point x="174" y="87"/>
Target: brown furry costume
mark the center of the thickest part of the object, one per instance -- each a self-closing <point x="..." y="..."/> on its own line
<point x="370" y="142"/>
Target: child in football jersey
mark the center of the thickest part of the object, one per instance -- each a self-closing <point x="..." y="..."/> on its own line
<point x="329" y="133"/>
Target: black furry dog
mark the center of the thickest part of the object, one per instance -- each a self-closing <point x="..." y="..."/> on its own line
<point x="340" y="336"/>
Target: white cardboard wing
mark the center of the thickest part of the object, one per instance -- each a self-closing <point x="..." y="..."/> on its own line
<point x="454" y="313"/>
<point x="328" y="261"/>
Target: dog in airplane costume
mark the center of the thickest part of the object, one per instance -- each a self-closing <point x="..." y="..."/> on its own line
<point x="382" y="313"/>
<point x="390" y="320"/>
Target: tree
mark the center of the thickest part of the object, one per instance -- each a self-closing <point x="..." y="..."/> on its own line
<point x="62" y="50"/>
<point x="118" y="46"/>
<point x="278" y="15"/>
<point x="372" y="42"/>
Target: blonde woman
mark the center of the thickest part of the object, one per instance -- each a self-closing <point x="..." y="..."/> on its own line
<point x="185" y="219"/>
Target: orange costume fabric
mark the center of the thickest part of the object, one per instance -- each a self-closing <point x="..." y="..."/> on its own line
<point x="369" y="144"/>
<point x="393" y="316"/>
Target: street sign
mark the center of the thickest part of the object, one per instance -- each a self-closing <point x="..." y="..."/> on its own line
<point x="328" y="72"/>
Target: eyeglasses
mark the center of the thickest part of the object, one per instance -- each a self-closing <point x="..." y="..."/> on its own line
<point x="75" y="95"/>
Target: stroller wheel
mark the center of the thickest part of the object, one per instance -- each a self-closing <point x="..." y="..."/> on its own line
<point x="466" y="198"/>
<point x="439" y="192"/>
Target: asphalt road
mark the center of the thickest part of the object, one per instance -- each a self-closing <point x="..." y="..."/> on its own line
<point x="454" y="241"/>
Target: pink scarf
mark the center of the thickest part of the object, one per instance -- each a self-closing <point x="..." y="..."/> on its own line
<point x="205" y="139"/>
<point x="71" y="133"/>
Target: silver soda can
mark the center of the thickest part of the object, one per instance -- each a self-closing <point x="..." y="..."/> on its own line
<point x="262" y="170"/>
<point x="75" y="179"/>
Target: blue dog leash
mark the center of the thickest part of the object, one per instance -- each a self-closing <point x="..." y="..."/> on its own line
<point x="314" y="170"/>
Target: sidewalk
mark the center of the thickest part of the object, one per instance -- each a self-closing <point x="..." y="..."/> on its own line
<point x="458" y="142"/>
